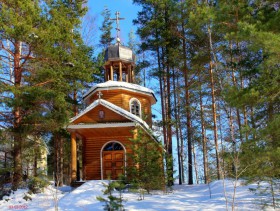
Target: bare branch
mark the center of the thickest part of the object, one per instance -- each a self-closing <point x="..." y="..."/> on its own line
<point x="6" y="49"/>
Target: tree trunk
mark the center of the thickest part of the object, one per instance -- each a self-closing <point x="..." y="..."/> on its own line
<point x="181" y="149"/>
<point x="177" y="128"/>
<point x="17" y="177"/>
<point x="163" y="108"/>
<point x="244" y="110"/>
<point x="213" y="58"/>
<point x="168" y="130"/>
<point x="188" y="111"/>
<point x="61" y="160"/>
<point x="35" y="164"/>
<point x="221" y="140"/>
<point x="233" y="70"/>
<point x="168" y="97"/>
<point x="181" y="135"/>
<point x="204" y="139"/>
<point x="195" y="165"/>
<point x="215" y="122"/>
<point x="58" y="159"/>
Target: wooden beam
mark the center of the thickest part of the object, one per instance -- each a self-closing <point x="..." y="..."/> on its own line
<point x="120" y="71"/>
<point x="105" y="75"/>
<point x="111" y="72"/>
<point x="73" y="157"/>
<point x="132" y="76"/>
<point x="83" y="159"/>
<point x="129" y="73"/>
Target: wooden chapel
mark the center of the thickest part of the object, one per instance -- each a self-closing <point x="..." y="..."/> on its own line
<point x="114" y="109"/>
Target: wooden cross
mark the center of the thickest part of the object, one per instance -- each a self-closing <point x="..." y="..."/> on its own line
<point x="117" y="19"/>
<point x="99" y="94"/>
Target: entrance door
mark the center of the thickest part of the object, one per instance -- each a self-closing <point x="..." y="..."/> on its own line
<point x="113" y="161"/>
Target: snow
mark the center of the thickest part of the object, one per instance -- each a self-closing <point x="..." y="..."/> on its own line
<point x="38" y="202"/>
<point x="108" y="85"/>
<point x="181" y="198"/>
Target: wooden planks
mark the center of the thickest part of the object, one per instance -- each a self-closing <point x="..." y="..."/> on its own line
<point x="93" y="116"/>
<point x="93" y="153"/>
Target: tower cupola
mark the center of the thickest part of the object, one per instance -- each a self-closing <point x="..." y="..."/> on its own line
<point x="119" y="60"/>
<point x="119" y="64"/>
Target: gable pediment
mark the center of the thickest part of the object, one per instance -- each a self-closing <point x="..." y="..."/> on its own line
<point x="99" y="114"/>
<point x="114" y="116"/>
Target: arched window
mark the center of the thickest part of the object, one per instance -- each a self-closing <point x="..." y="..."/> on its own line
<point x="113" y="146"/>
<point x="135" y="107"/>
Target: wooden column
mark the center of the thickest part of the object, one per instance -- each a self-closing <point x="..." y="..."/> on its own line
<point x="132" y="75"/>
<point x="135" y="135"/>
<point x="129" y="73"/>
<point x="106" y="74"/>
<point x="83" y="160"/>
<point x="120" y="71"/>
<point x="126" y="77"/>
<point x="111" y="72"/>
<point x="73" y="157"/>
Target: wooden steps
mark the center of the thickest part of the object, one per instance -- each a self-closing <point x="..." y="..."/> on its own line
<point x="76" y="184"/>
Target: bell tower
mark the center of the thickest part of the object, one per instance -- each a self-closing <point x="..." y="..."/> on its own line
<point x="119" y="64"/>
<point x="119" y="60"/>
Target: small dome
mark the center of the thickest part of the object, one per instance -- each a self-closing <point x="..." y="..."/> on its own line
<point x="119" y="52"/>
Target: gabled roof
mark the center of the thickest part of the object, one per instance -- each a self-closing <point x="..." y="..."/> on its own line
<point x="117" y="109"/>
<point x="114" y="108"/>
<point x="111" y="85"/>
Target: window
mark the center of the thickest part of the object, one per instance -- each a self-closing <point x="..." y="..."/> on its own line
<point x="135" y="107"/>
<point x="113" y="146"/>
<point x="101" y="114"/>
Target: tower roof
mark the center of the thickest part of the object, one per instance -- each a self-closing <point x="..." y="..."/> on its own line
<point x="119" y="53"/>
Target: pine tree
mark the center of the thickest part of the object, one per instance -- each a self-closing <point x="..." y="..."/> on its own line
<point x="146" y="168"/>
<point x="229" y="55"/>
<point x="157" y="30"/>
<point x="113" y="202"/>
<point x="106" y="38"/>
<point x="45" y="48"/>
<point x="253" y="62"/>
<point x="105" y="41"/>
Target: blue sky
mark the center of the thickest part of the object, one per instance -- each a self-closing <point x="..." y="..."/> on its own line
<point x="127" y="10"/>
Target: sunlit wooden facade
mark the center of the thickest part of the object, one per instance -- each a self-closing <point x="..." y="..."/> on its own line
<point x="113" y="111"/>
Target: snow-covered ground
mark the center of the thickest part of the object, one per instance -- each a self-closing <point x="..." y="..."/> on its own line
<point x="182" y="197"/>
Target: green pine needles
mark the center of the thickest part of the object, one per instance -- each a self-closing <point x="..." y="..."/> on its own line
<point x="113" y="202"/>
<point x="145" y="171"/>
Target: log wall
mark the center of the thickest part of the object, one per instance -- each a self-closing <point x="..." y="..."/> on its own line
<point x="92" y="153"/>
<point x="122" y="98"/>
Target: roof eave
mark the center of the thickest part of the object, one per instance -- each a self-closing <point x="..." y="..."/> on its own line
<point x="96" y="88"/>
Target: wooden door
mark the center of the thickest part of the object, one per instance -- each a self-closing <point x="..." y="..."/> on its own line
<point x="113" y="164"/>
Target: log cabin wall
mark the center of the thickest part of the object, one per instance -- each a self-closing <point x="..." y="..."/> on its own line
<point x="122" y="98"/>
<point x="92" y="152"/>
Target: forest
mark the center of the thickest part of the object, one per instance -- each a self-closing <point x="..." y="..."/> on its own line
<point x="217" y="64"/>
<point x="216" y="70"/>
